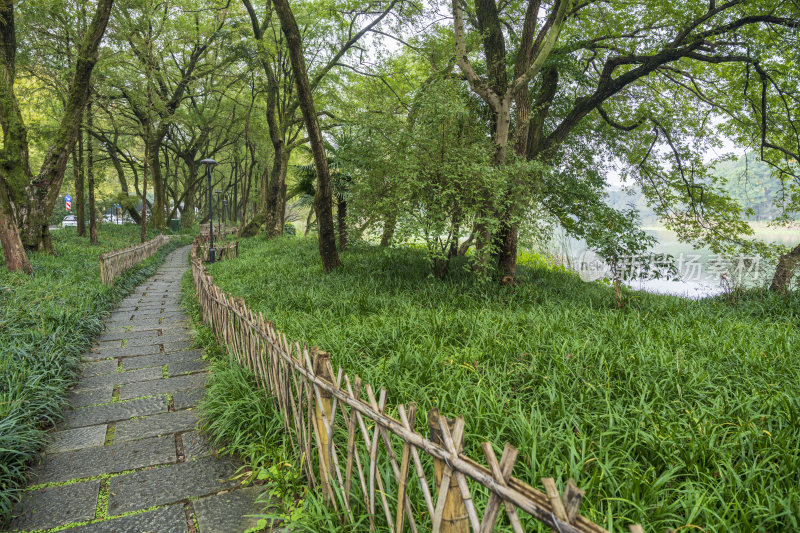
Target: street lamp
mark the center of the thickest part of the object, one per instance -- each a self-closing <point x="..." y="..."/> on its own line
<point x="211" y="252"/>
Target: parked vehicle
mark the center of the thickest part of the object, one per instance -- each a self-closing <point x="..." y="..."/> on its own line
<point x="69" y="221"/>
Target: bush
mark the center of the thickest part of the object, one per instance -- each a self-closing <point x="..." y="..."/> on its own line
<point x="289" y="230"/>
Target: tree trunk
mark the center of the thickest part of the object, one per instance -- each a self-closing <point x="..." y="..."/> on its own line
<point x="341" y="219"/>
<point x="159" y="188"/>
<point x="187" y="215"/>
<point x="13" y="251"/>
<point x="785" y="271"/>
<point x="251" y="228"/>
<point x="277" y="182"/>
<point x="90" y="176"/>
<point x="143" y="222"/>
<point x="123" y="182"/>
<point x="282" y="209"/>
<point x="323" y="199"/>
<point x="507" y="249"/>
<point x="80" y="195"/>
<point x="388" y="230"/>
<point x="308" y="222"/>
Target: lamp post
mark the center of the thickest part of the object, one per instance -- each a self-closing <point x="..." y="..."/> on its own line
<point x="211" y="252"/>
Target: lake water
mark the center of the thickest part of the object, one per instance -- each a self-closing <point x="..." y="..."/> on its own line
<point x="700" y="272"/>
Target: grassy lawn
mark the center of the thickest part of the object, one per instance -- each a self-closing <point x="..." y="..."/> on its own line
<point x="670" y="412"/>
<point x="46" y="321"/>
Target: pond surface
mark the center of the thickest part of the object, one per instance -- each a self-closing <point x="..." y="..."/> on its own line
<point x="701" y="273"/>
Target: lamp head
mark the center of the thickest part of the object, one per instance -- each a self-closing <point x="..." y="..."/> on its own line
<point x="208" y="162"/>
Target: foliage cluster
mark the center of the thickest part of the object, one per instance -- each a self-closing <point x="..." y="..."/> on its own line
<point x="669" y="412"/>
<point x="46" y="322"/>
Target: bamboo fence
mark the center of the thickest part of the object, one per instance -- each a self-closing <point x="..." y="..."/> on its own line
<point x="361" y="457"/>
<point x="223" y="250"/>
<point x="113" y="264"/>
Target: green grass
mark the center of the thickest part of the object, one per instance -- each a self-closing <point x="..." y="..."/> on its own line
<point x="669" y="412"/>
<point x="46" y="321"/>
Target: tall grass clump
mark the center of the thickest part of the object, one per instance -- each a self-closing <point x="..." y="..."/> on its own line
<point x="669" y="412"/>
<point x="47" y="321"/>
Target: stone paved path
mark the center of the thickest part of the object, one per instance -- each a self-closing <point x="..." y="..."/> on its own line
<point x="128" y="457"/>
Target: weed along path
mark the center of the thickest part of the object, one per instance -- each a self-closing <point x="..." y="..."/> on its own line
<point x="128" y="457"/>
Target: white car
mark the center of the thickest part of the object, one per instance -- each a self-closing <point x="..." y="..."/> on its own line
<point x="69" y="221"/>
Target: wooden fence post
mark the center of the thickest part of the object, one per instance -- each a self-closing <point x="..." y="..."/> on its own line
<point x="454" y="518"/>
<point x="324" y="370"/>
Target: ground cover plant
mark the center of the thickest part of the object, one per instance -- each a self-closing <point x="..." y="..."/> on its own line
<point x="46" y="321"/>
<point x="668" y="412"/>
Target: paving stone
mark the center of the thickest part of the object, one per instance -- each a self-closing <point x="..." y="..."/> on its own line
<point x="229" y="512"/>
<point x="159" y="315"/>
<point x="187" y="398"/>
<point x="112" y="412"/>
<point x="161" y="386"/>
<point x="77" y="438"/>
<point x="160" y="359"/>
<point x="177" y="345"/>
<point x="146" y="488"/>
<point x="90" y="462"/>
<point x="111" y="328"/>
<point x="119" y="378"/>
<point x="186" y="367"/>
<point x="122" y="334"/>
<point x="150" y="324"/>
<point x="195" y="445"/>
<point x="56" y="506"/>
<point x="120" y="316"/>
<point x="170" y="519"/>
<point x="127" y="351"/>
<point x="98" y="368"/>
<point x="176" y="335"/>
<point x="141" y="340"/>
<point x="160" y="424"/>
<point x="83" y="398"/>
<point x="160" y="339"/>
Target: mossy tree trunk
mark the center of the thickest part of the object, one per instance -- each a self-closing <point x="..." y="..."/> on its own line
<point x="90" y="176"/>
<point x="79" y="200"/>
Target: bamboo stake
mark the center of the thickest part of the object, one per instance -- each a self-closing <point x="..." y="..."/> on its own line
<point x="455" y="447"/>
<point x="572" y="498"/>
<point x="450" y="515"/>
<point x="380" y="406"/>
<point x="555" y="498"/>
<point x="423" y="481"/>
<point x="501" y="473"/>
<point x="355" y="417"/>
<point x="401" y="489"/>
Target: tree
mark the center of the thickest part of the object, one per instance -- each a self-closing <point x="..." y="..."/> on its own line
<point x="595" y="74"/>
<point x="322" y="200"/>
<point x="27" y="200"/>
